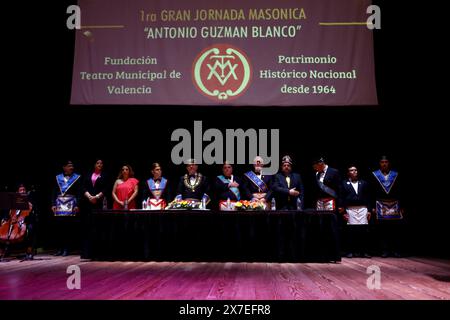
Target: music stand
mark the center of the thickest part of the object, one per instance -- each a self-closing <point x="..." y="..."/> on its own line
<point x="12" y="201"/>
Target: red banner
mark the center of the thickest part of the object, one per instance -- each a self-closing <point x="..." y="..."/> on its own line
<point x="259" y="53"/>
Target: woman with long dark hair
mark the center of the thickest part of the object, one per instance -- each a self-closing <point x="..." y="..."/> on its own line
<point x="94" y="196"/>
<point x="125" y="189"/>
<point x="94" y="186"/>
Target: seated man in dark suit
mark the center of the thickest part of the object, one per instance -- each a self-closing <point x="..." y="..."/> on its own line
<point x="288" y="187"/>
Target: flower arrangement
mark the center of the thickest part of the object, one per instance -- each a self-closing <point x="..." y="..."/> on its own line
<point x="184" y="204"/>
<point x="250" y="205"/>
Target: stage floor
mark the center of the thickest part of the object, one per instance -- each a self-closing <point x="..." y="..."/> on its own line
<point x="406" y="278"/>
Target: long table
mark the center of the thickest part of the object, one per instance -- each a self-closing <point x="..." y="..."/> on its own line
<point x="197" y="235"/>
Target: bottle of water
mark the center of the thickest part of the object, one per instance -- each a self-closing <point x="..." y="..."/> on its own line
<point x="144" y="204"/>
<point x="125" y="204"/>
<point x="273" y="205"/>
<point x="203" y="203"/>
<point x="228" y="204"/>
<point x="299" y="203"/>
<point x="105" y="203"/>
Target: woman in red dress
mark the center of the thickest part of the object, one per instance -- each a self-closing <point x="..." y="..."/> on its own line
<point x="125" y="189"/>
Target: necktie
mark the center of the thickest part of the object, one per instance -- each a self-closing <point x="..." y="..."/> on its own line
<point x="319" y="175"/>
<point x="288" y="182"/>
<point x="355" y="187"/>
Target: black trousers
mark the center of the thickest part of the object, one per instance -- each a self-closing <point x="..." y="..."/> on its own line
<point x="357" y="238"/>
<point x="67" y="233"/>
<point x="390" y="235"/>
<point x="85" y="230"/>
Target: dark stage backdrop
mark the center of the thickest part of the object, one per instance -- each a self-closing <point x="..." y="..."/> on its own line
<point x="40" y="128"/>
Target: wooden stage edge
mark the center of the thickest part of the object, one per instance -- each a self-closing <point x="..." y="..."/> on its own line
<point x="413" y="278"/>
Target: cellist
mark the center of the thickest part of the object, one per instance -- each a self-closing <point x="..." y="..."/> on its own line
<point x="18" y="226"/>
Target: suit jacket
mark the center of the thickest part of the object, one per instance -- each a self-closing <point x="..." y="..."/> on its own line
<point x="74" y="190"/>
<point x="348" y="196"/>
<point x="99" y="186"/>
<point x="332" y="180"/>
<point x="252" y="188"/>
<point x="186" y="193"/>
<point x="222" y="192"/>
<point x="281" y="191"/>
<point x="380" y="193"/>
<point x="166" y="194"/>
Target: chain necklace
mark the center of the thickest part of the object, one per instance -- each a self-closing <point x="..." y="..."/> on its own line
<point x="187" y="181"/>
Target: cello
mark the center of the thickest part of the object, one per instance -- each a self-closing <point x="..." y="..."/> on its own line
<point x="14" y="228"/>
